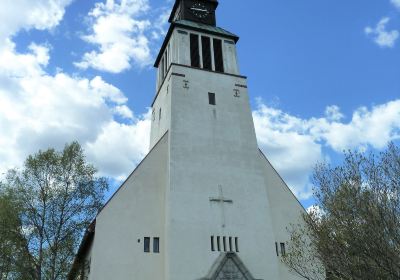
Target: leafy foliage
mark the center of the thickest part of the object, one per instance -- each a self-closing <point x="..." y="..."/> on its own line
<point x="59" y="196"/>
<point x="354" y="232"/>
<point x="15" y="261"/>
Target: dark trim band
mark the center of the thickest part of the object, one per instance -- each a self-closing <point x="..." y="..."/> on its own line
<point x="239" y="85"/>
<point x="177" y="74"/>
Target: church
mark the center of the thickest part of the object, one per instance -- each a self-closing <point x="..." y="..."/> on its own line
<point x="205" y="203"/>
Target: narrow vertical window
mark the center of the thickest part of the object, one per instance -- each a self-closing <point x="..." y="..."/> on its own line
<point x="218" y="57"/>
<point x="166" y="62"/>
<point x="237" y="244"/>
<point x="162" y="69"/>
<point x="211" y="98"/>
<point x="212" y="244"/>
<point x="230" y="244"/>
<point x="156" y="245"/>
<point x="276" y="249"/>
<point x="159" y="114"/>
<point x="169" y="54"/>
<point x="206" y="51"/>
<point x="194" y="50"/>
<point x="153" y="114"/>
<point x="224" y="242"/>
<point x="147" y="244"/>
<point x="218" y="244"/>
<point x="283" y="249"/>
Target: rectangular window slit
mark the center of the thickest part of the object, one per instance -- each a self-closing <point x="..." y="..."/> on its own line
<point x="211" y="98"/>
<point x="156" y="245"/>
<point x="237" y="244"/>
<point x="224" y="241"/>
<point x="230" y="244"/>
<point x="283" y="249"/>
<point x="218" y="57"/>
<point x="162" y="69"/>
<point x="146" y="244"/>
<point x="194" y="50"/>
<point x="206" y="51"/>
<point x="218" y="244"/>
<point x="165" y="62"/>
<point x="159" y="114"/>
<point x="276" y="249"/>
<point x="212" y="244"/>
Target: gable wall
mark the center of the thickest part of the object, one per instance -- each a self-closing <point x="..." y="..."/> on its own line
<point x="285" y="208"/>
<point x="136" y="211"/>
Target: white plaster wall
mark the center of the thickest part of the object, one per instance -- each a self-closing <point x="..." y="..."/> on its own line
<point x="182" y="46"/>
<point x="160" y="126"/>
<point x="231" y="64"/>
<point x="211" y="146"/>
<point x="285" y="208"/>
<point x="136" y="211"/>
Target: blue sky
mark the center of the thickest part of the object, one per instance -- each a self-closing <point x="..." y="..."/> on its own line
<point x="323" y="77"/>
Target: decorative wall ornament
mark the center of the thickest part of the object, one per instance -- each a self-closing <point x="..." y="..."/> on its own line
<point x="186" y="84"/>
<point x="228" y="266"/>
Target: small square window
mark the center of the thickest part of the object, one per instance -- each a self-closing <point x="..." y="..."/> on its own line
<point x="147" y="244"/>
<point x="156" y="245"/>
<point x="211" y="98"/>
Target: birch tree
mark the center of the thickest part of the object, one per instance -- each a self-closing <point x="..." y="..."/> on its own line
<point x="60" y="195"/>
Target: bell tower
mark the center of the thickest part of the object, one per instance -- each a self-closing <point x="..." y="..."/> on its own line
<point x="216" y="200"/>
<point x="193" y="43"/>
<point x="205" y="203"/>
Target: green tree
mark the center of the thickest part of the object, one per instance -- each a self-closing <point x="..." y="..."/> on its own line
<point x="354" y="231"/>
<point x="15" y="261"/>
<point x="60" y="195"/>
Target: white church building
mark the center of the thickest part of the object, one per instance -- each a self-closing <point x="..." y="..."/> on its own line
<point x="205" y="203"/>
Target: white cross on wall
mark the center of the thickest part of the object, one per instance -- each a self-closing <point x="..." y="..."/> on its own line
<point x="222" y="200"/>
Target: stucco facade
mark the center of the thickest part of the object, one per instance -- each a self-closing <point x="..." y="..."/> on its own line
<point x="205" y="189"/>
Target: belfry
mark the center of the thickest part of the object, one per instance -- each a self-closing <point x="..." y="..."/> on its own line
<point x="205" y="203"/>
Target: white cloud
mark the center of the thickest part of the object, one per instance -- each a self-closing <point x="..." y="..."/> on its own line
<point x="381" y="36"/>
<point x="316" y="211"/>
<point x="38" y="110"/>
<point x="27" y="14"/>
<point x="333" y="113"/>
<point x="292" y="152"/>
<point x="120" y="36"/>
<point x="119" y="147"/>
<point x="396" y="3"/>
<point x="294" y="145"/>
